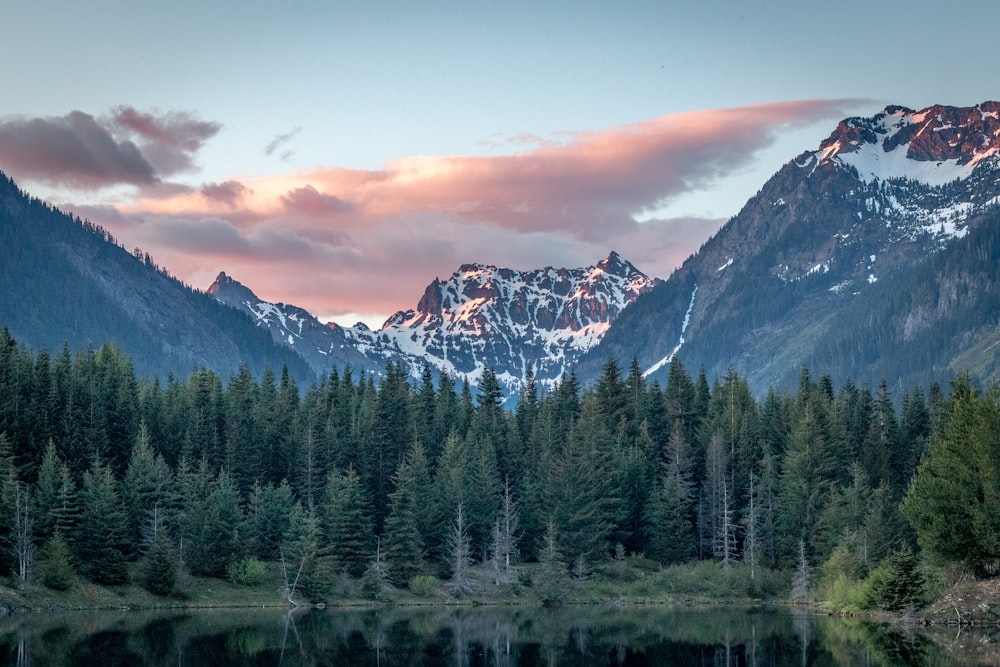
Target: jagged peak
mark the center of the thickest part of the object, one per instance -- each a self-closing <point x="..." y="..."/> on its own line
<point x="615" y="264"/>
<point x="226" y="283"/>
<point x="935" y="145"/>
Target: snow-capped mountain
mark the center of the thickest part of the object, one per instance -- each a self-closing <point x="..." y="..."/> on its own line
<point x="482" y="316"/>
<point x="323" y="347"/>
<point x="510" y="321"/>
<point x="838" y="261"/>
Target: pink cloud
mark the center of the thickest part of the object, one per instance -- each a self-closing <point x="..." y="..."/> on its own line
<point x="340" y="240"/>
<point x="229" y="193"/>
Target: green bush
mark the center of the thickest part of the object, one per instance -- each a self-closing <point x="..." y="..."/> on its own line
<point x="423" y="585"/>
<point x="246" y="571"/>
<point x="840" y="585"/>
<point x="641" y="563"/>
<point x="896" y="583"/>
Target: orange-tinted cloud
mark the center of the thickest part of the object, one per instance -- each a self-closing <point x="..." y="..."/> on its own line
<point x="340" y="240"/>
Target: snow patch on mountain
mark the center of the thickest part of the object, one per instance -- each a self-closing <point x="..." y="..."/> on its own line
<point x="680" y="343"/>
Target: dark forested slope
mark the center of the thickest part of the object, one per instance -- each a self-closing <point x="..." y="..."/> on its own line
<point x="66" y="281"/>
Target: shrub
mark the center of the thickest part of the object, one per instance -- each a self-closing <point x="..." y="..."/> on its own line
<point x="246" y="571"/>
<point x="423" y="585"/>
<point x="896" y="583"/>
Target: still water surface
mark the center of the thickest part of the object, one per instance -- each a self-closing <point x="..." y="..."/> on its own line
<point x="448" y="636"/>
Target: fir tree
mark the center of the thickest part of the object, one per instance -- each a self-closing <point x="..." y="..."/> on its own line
<point x="347" y="522"/>
<point x="102" y="536"/>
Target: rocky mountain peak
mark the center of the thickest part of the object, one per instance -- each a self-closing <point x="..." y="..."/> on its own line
<point x="827" y="239"/>
<point x="227" y="289"/>
<point x="935" y="146"/>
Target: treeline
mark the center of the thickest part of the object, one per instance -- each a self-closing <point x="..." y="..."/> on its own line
<point x="99" y="468"/>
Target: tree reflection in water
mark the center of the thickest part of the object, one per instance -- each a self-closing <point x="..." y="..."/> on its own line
<point x="467" y="636"/>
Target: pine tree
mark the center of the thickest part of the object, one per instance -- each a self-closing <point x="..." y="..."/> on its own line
<point x="55" y="563"/>
<point x="347" y="522"/>
<point x="403" y="542"/>
<point x="159" y="570"/>
<point x="805" y="482"/>
<point x="953" y="503"/>
<point x="102" y="536"/>
<point x="55" y="496"/>
<point x="148" y="490"/>
<point x="266" y="521"/>
<point x="210" y="522"/>
<point x="552" y="579"/>
<point x="301" y="551"/>
<point x="670" y="535"/>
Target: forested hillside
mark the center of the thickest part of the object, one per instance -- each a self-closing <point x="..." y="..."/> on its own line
<point x="100" y="468"/>
<point x="63" y="279"/>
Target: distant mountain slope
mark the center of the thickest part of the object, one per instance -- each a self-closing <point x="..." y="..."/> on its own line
<point x="482" y="316"/>
<point x="63" y="281"/>
<point x="873" y="256"/>
<point x="322" y="346"/>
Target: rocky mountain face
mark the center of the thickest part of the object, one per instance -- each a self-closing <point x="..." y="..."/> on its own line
<point x="482" y="316"/>
<point x="871" y="257"/>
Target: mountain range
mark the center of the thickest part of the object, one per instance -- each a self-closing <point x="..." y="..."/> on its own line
<point x="873" y="256"/>
<point x="480" y="317"/>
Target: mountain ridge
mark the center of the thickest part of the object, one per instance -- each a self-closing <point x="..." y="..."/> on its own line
<point x="67" y="281"/>
<point x="482" y="316"/>
<point x="840" y="229"/>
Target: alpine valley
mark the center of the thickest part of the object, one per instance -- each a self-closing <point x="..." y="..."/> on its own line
<point x="874" y="256"/>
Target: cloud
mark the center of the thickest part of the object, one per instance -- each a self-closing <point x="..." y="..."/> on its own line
<point x="309" y="201"/>
<point x="281" y="140"/>
<point x="230" y="193"/>
<point x="169" y="141"/>
<point x="73" y="150"/>
<point x="339" y="240"/>
<point x="83" y="152"/>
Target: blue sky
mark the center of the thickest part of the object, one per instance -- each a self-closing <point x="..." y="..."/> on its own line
<point x="340" y="155"/>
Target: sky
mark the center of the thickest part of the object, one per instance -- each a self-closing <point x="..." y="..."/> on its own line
<point x="341" y="155"/>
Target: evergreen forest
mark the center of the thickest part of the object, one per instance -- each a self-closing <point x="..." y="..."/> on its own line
<point x="102" y="471"/>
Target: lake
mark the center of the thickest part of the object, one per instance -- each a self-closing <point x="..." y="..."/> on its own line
<point x="572" y="635"/>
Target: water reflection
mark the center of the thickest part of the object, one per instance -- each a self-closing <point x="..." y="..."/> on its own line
<point x="462" y="637"/>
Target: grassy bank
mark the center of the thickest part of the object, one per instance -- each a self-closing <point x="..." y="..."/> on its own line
<point x="637" y="582"/>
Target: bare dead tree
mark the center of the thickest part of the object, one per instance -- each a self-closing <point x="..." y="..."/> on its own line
<point x="24" y="523"/>
<point x="503" y="546"/>
<point x="460" y="547"/>
<point x="725" y="536"/>
<point x="288" y="590"/>
<point x="750" y="537"/>
<point x="802" y="578"/>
